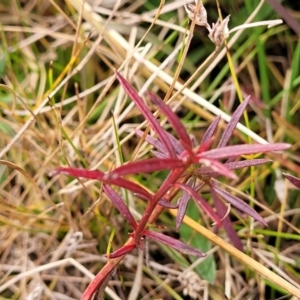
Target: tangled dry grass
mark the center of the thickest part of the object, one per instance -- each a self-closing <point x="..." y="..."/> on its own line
<point x="58" y="94"/>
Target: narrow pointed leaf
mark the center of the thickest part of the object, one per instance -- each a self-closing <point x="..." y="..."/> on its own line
<point x="226" y="222"/>
<point x="98" y="175"/>
<point x="204" y="146"/>
<point x="246" y="163"/>
<point x="158" y="145"/>
<point x="159" y="154"/>
<point x="183" y="202"/>
<point x="236" y="150"/>
<point x="151" y="140"/>
<point x="122" y="251"/>
<point x="147" y="114"/>
<point x="176" y="144"/>
<point x="174" y="121"/>
<point x="210" y="130"/>
<point x="201" y="202"/>
<point x="239" y="204"/>
<point x="218" y="167"/>
<point x="119" y="205"/>
<point x="162" y="202"/>
<point x="232" y="123"/>
<point x="172" y="177"/>
<point x="294" y="180"/>
<point x="232" y="166"/>
<point x="173" y="243"/>
<point x="147" y="166"/>
<point x="166" y="204"/>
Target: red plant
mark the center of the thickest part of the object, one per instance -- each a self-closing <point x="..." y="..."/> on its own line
<point x="294" y="180"/>
<point x="190" y="168"/>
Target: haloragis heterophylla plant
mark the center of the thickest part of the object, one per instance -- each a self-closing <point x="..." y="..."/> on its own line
<point x="190" y="168"/>
<point x="294" y="180"/>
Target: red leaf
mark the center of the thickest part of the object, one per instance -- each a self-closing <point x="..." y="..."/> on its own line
<point x="159" y="154"/>
<point x="210" y="130"/>
<point x="226" y="222"/>
<point x="158" y="145"/>
<point x="232" y="123"/>
<point x="246" y="163"/>
<point x="173" y="243"/>
<point x="176" y="144"/>
<point x="98" y="175"/>
<point x="232" y="166"/>
<point x="201" y="202"/>
<point x="239" y="204"/>
<point x="147" y="114"/>
<point x="162" y="202"/>
<point x="236" y="150"/>
<point x="122" y="251"/>
<point x="204" y="146"/>
<point x="151" y="140"/>
<point x="120" y="205"/>
<point x="172" y="177"/>
<point x="166" y="204"/>
<point x="183" y="202"/>
<point x="294" y="180"/>
<point x="218" y="167"/>
<point x="147" y="166"/>
<point x="174" y="121"/>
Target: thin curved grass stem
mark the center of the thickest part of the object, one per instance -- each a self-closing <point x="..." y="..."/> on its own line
<point x="242" y="257"/>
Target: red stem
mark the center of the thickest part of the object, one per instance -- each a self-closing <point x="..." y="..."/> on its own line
<point x="153" y="202"/>
<point x="101" y="277"/>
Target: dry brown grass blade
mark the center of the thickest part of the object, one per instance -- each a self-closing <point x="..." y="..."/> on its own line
<point x="37" y="212"/>
<point x="292" y="131"/>
<point x="25" y="174"/>
<point x="242" y="257"/>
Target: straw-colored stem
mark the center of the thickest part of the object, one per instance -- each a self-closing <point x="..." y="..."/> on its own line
<point x="242" y="257"/>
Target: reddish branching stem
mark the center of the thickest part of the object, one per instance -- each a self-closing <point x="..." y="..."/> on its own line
<point x="187" y="165"/>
